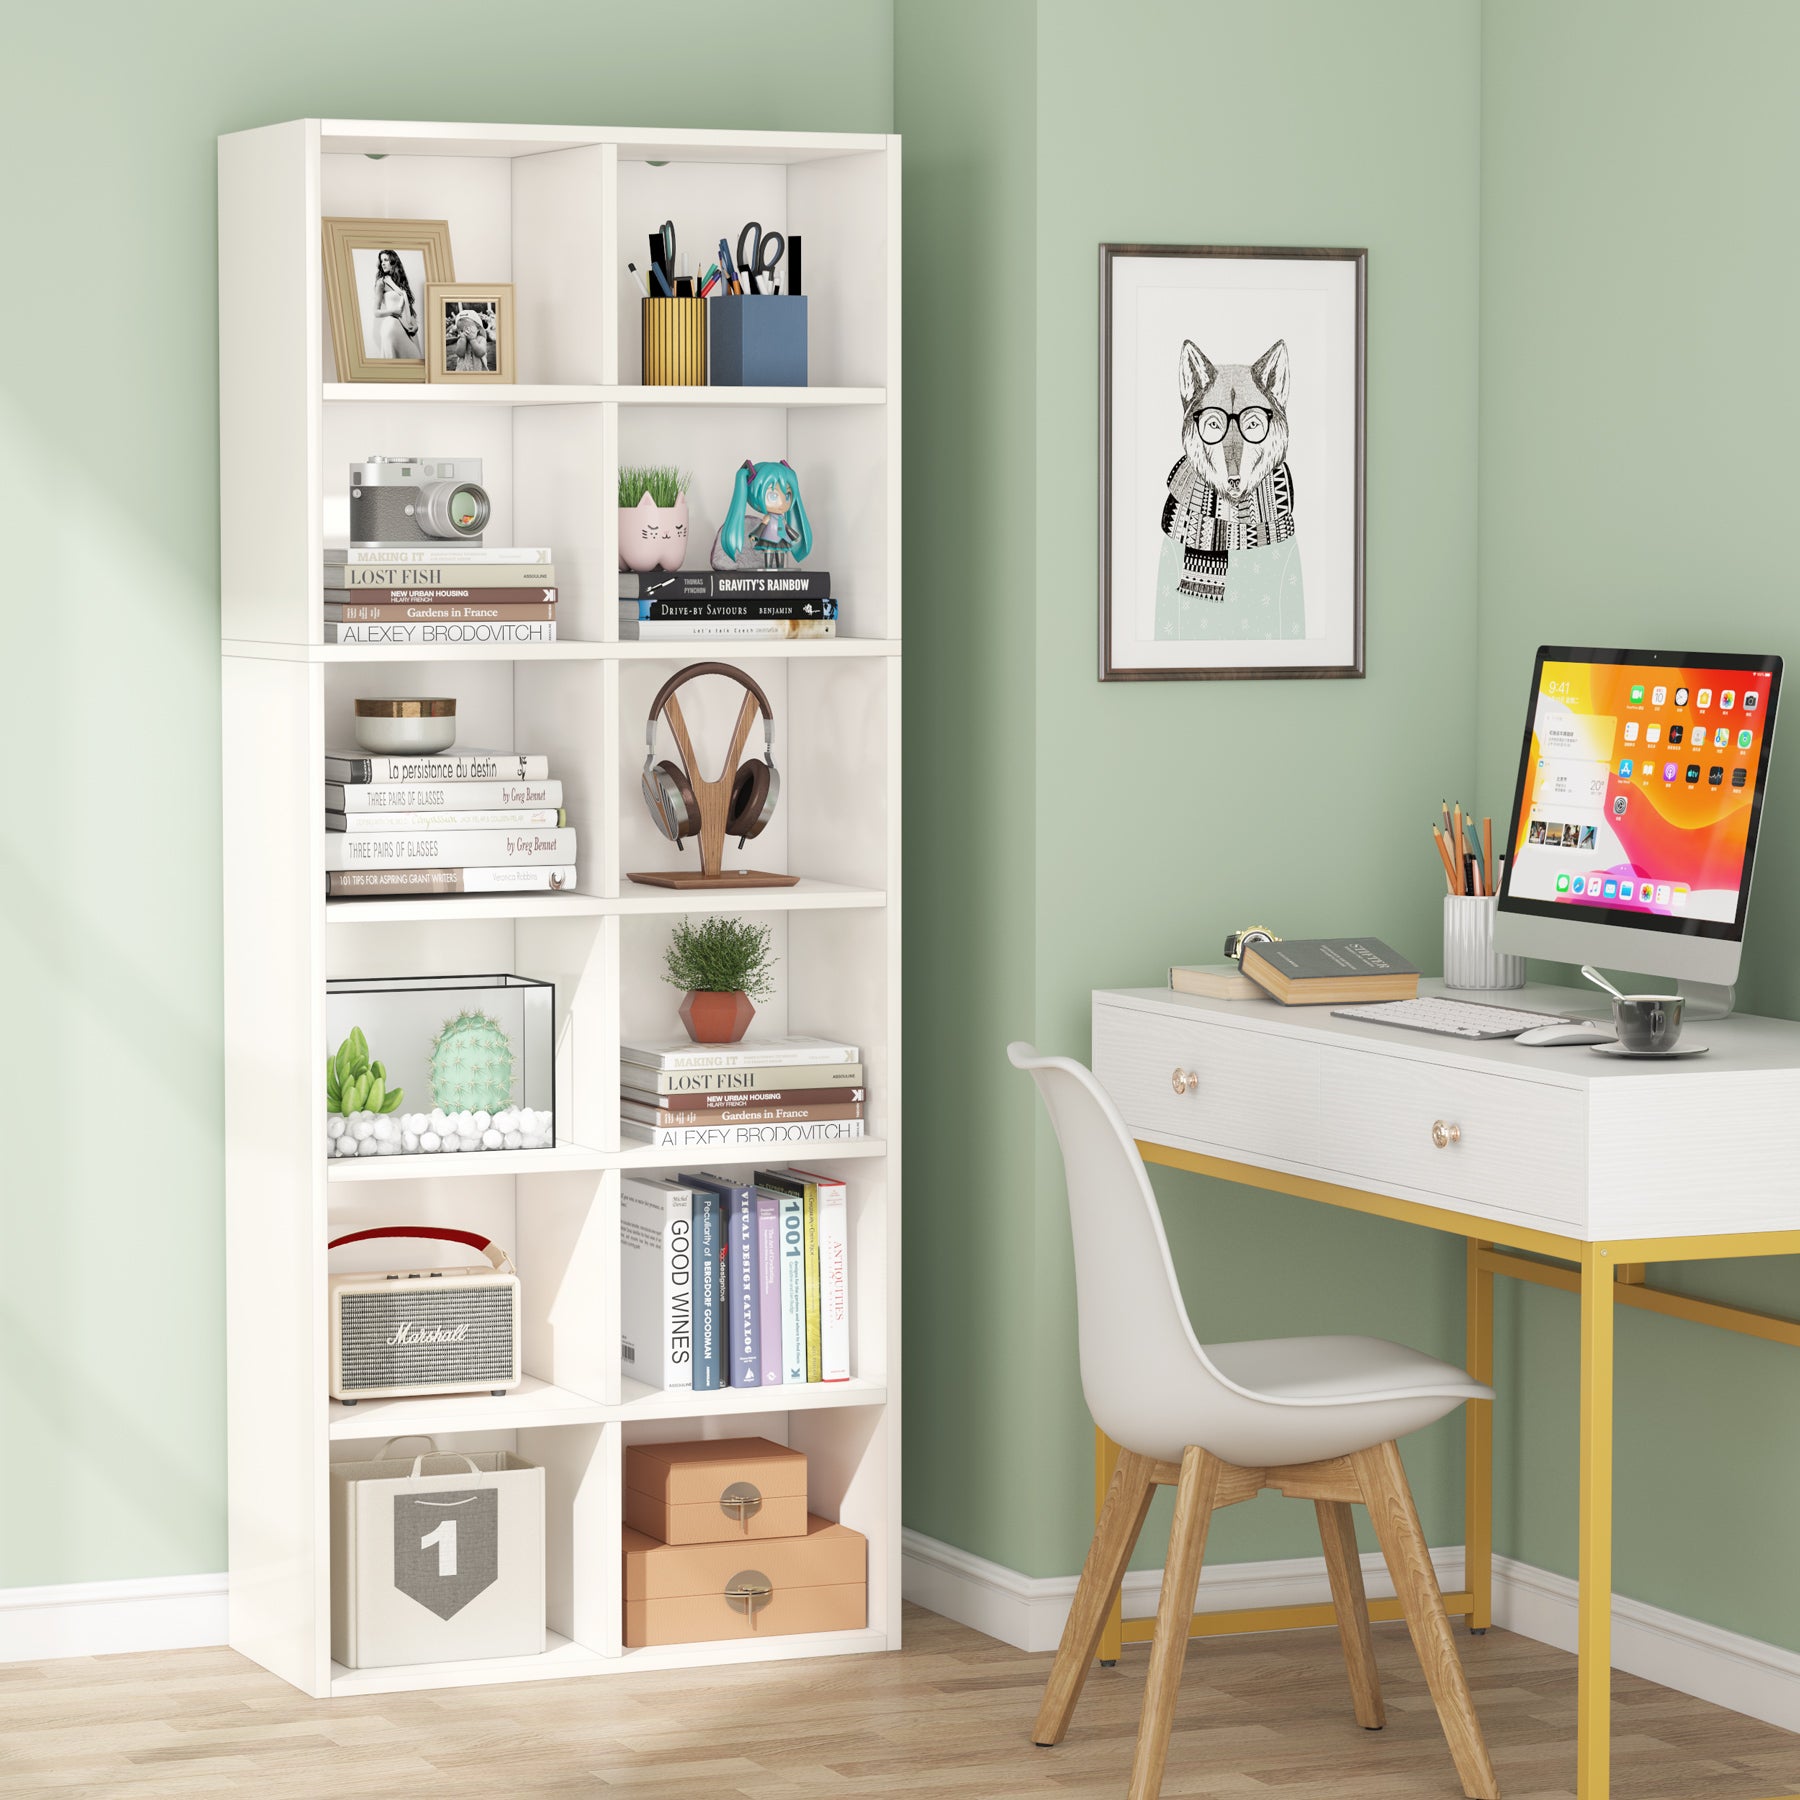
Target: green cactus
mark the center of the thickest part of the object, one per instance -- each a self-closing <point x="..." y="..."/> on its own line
<point x="471" y="1065"/>
<point x="355" y="1084"/>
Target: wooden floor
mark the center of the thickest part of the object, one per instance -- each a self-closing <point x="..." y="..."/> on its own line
<point x="1265" y="1718"/>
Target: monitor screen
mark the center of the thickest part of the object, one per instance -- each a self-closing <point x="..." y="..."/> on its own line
<point x="1640" y="788"/>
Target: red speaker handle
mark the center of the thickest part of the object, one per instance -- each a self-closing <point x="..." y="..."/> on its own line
<point x="443" y="1233"/>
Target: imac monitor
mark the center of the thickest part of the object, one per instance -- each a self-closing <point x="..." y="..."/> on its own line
<point x="1635" y="818"/>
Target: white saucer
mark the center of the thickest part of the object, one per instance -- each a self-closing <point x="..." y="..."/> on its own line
<point x="1680" y="1050"/>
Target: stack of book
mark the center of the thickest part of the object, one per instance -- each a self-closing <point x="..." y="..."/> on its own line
<point x="727" y="603"/>
<point x="440" y="594"/>
<point x="728" y="1283"/>
<point x="753" y="1095"/>
<point x="462" y="822"/>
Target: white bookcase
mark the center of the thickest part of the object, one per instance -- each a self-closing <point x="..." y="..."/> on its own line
<point x="557" y="211"/>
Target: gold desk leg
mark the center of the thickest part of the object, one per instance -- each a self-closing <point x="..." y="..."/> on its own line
<point x="1478" y="1444"/>
<point x="1593" y="1751"/>
<point x="1106" y="1460"/>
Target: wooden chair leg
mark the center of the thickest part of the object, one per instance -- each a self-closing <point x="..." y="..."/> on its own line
<point x="1115" y="1536"/>
<point x="1195" y="1496"/>
<point x="1396" y="1520"/>
<point x="1337" y="1532"/>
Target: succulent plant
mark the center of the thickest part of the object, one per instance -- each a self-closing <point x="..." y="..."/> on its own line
<point x="355" y="1084"/>
<point x="472" y="1065"/>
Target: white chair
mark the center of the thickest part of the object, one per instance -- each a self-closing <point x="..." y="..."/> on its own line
<point x="1314" y="1417"/>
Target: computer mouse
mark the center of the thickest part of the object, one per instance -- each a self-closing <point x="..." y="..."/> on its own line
<point x="1543" y="1037"/>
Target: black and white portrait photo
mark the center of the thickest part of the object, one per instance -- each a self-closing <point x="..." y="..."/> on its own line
<point x="390" y="299"/>
<point x="471" y="337"/>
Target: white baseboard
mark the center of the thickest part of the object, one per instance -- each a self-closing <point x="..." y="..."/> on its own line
<point x="102" y="1618"/>
<point x="1027" y="1611"/>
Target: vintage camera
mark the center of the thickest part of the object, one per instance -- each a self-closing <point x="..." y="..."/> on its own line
<point x="397" y="501"/>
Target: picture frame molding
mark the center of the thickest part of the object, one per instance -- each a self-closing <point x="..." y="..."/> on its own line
<point x="1354" y="670"/>
<point x="339" y="237"/>
<point x="501" y="292"/>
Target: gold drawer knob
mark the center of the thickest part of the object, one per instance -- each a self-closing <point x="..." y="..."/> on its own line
<point x="1444" y="1134"/>
<point x="1184" y="1081"/>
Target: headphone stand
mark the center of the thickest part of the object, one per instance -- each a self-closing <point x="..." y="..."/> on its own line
<point x="714" y="801"/>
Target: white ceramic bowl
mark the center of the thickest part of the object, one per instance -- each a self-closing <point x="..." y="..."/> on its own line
<point x="405" y="727"/>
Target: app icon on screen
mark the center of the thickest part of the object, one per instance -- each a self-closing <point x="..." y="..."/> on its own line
<point x="1703" y="699"/>
<point x="1659" y="696"/>
<point x="1637" y="695"/>
<point x="1681" y="696"/>
<point x="1715" y="776"/>
<point x="1653" y="734"/>
<point x="1620" y="802"/>
<point x="1746" y="739"/>
<point x="1610" y="891"/>
<point x="1721" y="738"/>
<point x="1670" y="771"/>
<point x="1674" y="734"/>
<point x="1662" y="893"/>
<point x="1727" y="699"/>
<point x="1693" y="773"/>
<point x="1750" y="703"/>
<point x="1625" y="768"/>
<point x="1579" y="884"/>
<point x="1627" y="890"/>
<point x="1562" y="884"/>
<point x="1631" y="731"/>
<point x="1739" y="777"/>
<point x="1682" y="890"/>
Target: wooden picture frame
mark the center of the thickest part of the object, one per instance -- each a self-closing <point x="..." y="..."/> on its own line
<point x="363" y="345"/>
<point x="490" y="302"/>
<point x="1199" y="582"/>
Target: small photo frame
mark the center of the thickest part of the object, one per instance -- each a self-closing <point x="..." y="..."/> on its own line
<point x="469" y="325"/>
<point x="376" y="275"/>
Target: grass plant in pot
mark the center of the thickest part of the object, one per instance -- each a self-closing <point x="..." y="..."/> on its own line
<point x="724" y="965"/>
<point x="653" y="517"/>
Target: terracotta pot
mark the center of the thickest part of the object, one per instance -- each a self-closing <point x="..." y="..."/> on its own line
<point x="652" y="536"/>
<point x="717" y="1018"/>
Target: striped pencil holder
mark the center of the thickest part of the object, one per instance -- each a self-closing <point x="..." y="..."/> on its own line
<point x="674" y="342"/>
<point x="1471" y="963"/>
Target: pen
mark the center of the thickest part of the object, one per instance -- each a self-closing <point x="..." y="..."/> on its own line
<point x="725" y="263"/>
<point x="1456" y="838"/>
<point x="635" y="276"/>
<point x="661" y="280"/>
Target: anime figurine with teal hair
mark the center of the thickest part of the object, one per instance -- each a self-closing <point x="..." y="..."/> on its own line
<point x="767" y="493"/>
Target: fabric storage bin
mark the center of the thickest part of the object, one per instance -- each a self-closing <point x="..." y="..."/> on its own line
<point x="715" y="1490"/>
<point x="689" y="1593"/>
<point x="758" y="340"/>
<point x="436" y="1558"/>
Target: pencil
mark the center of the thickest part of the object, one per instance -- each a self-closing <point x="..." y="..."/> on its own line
<point x="1487" y="852"/>
<point x="1443" y="850"/>
<point x="1456" y="837"/>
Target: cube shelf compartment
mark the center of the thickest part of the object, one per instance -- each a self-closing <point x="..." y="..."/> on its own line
<point x="556" y="211"/>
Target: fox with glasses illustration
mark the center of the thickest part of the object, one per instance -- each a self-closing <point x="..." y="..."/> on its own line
<point x="1229" y="515"/>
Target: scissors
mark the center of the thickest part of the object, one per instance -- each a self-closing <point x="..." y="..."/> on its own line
<point x="765" y="251"/>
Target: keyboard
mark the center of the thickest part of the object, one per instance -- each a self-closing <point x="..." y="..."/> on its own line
<point x="1451" y="1018"/>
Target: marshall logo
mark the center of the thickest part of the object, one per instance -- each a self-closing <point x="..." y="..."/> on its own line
<point x="429" y="1334"/>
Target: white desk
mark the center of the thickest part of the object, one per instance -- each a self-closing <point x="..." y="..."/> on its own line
<point x="1544" y="1151"/>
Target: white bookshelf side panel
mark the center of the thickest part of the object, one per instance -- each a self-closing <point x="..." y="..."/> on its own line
<point x="581" y="1508"/>
<point x="274" y="1212"/>
<point x="269" y="373"/>
<point x="840" y="453"/>
<point x="559" y="271"/>
<point x="852" y="1464"/>
<point x="840" y="737"/>
<point x="566" y="1241"/>
<point x="848" y="250"/>
<point x="561" y="498"/>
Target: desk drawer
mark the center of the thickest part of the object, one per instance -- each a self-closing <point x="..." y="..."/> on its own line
<point x="1255" y="1093"/>
<point x="1519" y="1145"/>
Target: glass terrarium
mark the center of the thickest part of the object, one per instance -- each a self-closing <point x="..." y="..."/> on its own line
<point x="434" y="1064"/>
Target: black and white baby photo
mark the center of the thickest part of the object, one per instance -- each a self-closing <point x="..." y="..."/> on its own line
<point x="471" y="337"/>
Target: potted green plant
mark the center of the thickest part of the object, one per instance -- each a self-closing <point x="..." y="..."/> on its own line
<point x="724" y="965"/>
<point x="653" y="517"/>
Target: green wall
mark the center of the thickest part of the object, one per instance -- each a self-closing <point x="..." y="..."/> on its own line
<point x="1081" y="835"/>
<point x="1638" y="366"/>
<point x="111" y="1320"/>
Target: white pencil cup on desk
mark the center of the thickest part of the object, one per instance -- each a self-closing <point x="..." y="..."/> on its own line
<point x="1470" y="960"/>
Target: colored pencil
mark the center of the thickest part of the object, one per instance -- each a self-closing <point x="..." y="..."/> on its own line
<point x="1487" y="852"/>
<point x="1443" y="850"/>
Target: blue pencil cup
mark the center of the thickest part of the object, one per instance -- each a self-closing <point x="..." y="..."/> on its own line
<point x="758" y="340"/>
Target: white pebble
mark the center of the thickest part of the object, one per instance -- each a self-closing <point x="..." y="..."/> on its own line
<point x="368" y="1147"/>
<point x="334" y="1125"/>
<point x="387" y="1146"/>
<point x="451" y="1141"/>
<point x="512" y="1140"/>
<point x="468" y="1141"/>
<point x="483" y="1121"/>
<point x="440" y="1120"/>
<point x="429" y="1140"/>
<point x="362" y="1126"/>
<point x="413" y="1122"/>
<point x="507" y="1119"/>
<point x="465" y="1122"/>
<point x="409" y="1141"/>
<point x="492" y="1139"/>
<point x="385" y="1128"/>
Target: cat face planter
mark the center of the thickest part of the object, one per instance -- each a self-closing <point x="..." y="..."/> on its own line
<point x="652" y="536"/>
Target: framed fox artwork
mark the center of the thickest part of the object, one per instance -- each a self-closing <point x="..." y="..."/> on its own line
<point x="1231" y="457"/>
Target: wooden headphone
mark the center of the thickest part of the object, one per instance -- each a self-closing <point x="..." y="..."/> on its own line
<point x="738" y="804"/>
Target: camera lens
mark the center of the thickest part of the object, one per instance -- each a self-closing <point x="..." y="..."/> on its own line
<point x="451" y="509"/>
